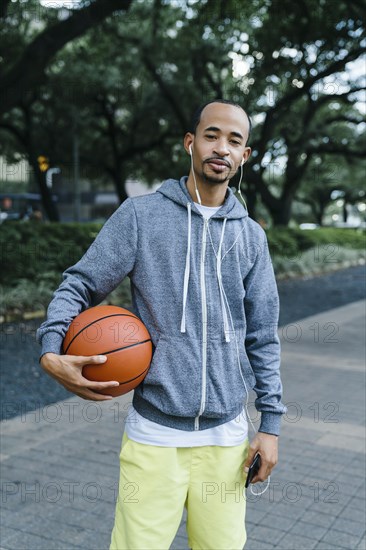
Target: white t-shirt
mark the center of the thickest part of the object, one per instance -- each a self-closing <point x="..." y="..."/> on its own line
<point x="145" y="431"/>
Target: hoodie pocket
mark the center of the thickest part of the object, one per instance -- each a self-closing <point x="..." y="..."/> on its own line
<point x="173" y="382"/>
<point x="229" y="377"/>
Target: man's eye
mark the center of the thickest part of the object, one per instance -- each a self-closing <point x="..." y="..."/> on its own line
<point x="235" y="142"/>
<point x="210" y="136"/>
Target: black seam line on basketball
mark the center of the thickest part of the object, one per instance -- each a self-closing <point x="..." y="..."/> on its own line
<point x="100" y="319"/>
<point x="126" y="347"/>
<point x="132" y="379"/>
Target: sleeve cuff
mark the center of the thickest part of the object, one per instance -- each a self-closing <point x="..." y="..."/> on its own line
<point x="270" y="423"/>
<point x="51" y="343"/>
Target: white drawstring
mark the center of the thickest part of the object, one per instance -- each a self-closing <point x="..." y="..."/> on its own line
<point x="218" y="268"/>
<point x="219" y="277"/>
<point x="186" y="271"/>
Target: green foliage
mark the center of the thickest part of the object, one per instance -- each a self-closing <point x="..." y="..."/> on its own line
<point x="348" y="238"/>
<point x="317" y="260"/>
<point x="33" y="257"/>
<point x="127" y="88"/>
<point x="288" y="243"/>
<point x="33" y="251"/>
<point x="26" y="295"/>
<point x="41" y="252"/>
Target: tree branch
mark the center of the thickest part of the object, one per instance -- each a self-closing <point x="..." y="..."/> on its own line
<point x="15" y="131"/>
<point x="4" y="8"/>
<point x="138" y="149"/>
<point x="295" y="94"/>
<point x="150" y="66"/>
<point x="168" y="94"/>
<point x="28" y="72"/>
<point x="342" y="118"/>
<point x="331" y="149"/>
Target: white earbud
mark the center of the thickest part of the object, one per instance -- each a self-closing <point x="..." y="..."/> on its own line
<point x="190" y="150"/>
<point x="242" y="162"/>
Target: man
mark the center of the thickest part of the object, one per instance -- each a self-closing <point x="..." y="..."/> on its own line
<point x="203" y="284"/>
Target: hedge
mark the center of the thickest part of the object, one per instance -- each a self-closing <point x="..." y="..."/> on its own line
<point x="40" y="252"/>
<point x="33" y="251"/>
<point x="33" y="257"/>
<point x="289" y="242"/>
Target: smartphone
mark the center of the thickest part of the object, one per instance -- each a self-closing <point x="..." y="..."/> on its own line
<point x="253" y="469"/>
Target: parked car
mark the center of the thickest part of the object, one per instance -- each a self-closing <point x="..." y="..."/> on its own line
<point x="20" y="206"/>
<point x="308" y="225"/>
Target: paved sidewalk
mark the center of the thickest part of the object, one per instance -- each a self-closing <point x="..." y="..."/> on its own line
<point x="59" y="464"/>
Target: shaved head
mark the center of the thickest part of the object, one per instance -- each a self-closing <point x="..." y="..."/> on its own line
<point x="196" y="118"/>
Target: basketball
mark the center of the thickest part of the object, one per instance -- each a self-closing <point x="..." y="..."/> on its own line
<point x="121" y="336"/>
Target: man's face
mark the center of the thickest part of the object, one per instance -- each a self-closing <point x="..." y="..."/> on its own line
<point x="219" y="143"/>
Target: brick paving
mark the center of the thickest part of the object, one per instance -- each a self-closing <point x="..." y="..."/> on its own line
<point x="59" y="463"/>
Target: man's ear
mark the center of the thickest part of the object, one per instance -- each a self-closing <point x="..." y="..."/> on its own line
<point x="246" y="155"/>
<point x="188" y="142"/>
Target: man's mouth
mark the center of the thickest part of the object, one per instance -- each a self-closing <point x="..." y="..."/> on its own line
<point x="218" y="164"/>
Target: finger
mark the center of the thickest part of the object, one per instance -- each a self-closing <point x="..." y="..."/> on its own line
<point x="80" y="383"/>
<point x="262" y="474"/>
<point x="93" y="396"/>
<point x="82" y="360"/>
<point x="99" y="385"/>
<point x="250" y="457"/>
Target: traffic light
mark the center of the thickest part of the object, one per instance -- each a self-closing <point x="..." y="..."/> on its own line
<point x="43" y="163"/>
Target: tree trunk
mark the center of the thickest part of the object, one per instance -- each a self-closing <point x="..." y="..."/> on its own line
<point x="47" y="201"/>
<point x="281" y="213"/>
<point x="319" y="213"/>
<point x="120" y="183"/>
<point x="251" y="200"/>
<point x="322" y="204"/>
<point x="33" y="152"/>
<point x="345" y="211"/>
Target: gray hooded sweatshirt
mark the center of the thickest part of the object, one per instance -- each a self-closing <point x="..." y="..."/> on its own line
<point x="205" y="290"/>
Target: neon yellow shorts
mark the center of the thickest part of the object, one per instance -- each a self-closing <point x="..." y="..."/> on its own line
<point x="156" y="483"/>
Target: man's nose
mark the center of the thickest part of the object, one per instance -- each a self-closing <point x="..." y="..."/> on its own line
<point x="221" y="148"/>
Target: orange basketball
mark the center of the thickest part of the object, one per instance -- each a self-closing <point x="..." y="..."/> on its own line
<point x="121" y="336"/>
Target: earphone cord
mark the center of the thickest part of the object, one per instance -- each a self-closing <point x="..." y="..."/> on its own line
<point x="239" y="187"/>
<point x="264" y="490"/>
<point x="194" y="176"/>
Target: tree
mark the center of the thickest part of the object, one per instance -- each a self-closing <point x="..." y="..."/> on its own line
<point x="28" y="53"/>
<point x="24" y="74"/>
<point x="298" y="54"/>
<point x="337" y="174"/>
<point x="130" y="113"/>
<point x="132" y="83"/>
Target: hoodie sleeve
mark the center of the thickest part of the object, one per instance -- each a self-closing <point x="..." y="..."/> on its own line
<point x="262" y="343"/>
<point x="108" y="260"/>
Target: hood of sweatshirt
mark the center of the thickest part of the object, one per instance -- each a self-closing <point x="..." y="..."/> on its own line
<point x="177" y="191"/>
